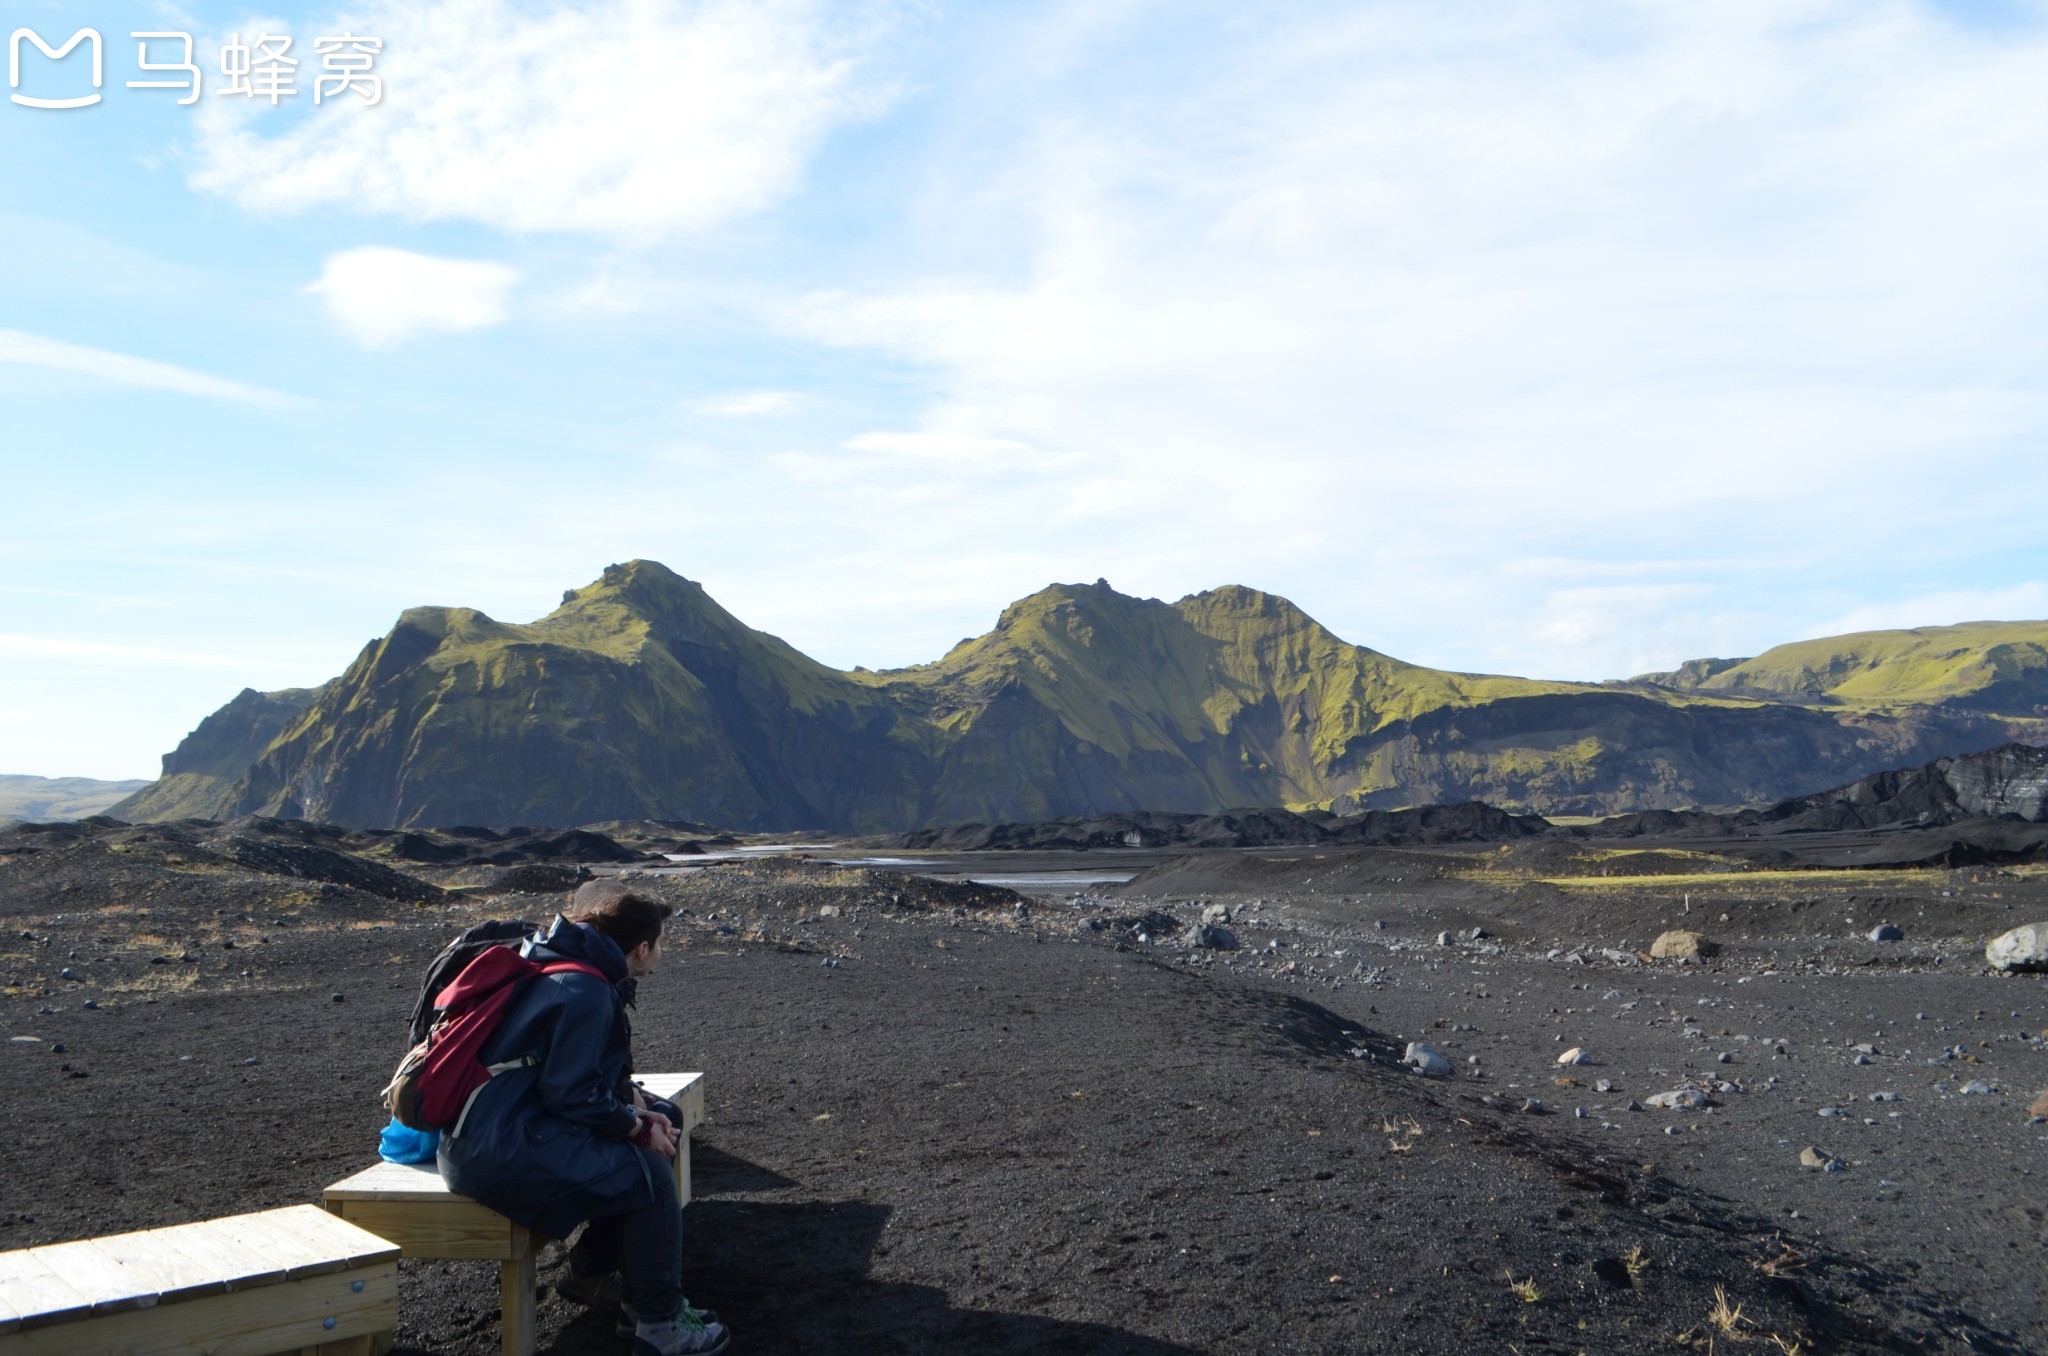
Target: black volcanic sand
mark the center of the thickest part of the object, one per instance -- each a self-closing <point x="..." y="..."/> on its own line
<point x="941" y="1122"/>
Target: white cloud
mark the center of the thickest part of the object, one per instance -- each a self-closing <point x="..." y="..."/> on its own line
<point x="748" y="404"/>
<point x="956" y="451"/>
<point x="380" y="297"/>
<point x="1388" y="298"/>
<point x="121" y="369"/>
<point x="628" y="119"/>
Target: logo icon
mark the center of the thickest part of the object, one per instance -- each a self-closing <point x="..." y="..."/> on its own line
<point x="54" y="54"/>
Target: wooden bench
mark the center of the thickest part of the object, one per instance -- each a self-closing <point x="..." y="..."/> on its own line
<point x="409" y="1204"/>
<point x="292" y="1280"/>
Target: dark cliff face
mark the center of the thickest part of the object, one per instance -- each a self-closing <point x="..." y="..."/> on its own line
<point x="201" y="776"/>
<point x="641" y="697"/>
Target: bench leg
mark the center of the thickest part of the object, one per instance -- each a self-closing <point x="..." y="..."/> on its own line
<point x="516" y="1321"/>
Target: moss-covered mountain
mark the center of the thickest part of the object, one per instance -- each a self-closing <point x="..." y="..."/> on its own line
<point x="640" y="697"/>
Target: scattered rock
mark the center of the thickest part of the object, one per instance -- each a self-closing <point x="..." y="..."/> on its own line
<point x="1476" y="934"/>
<point x="1446" y="939"/>
<point x="1211" y="937"/>
<point x="1725" y="1058"/>
<point x="1810" y="1157"/>
<point x="2024" y="948"/>
<point x="70" y="974"/>
<point x="1974" y="1088"/>
<point x="1887" y="932"/>
<point x="1425" y="1059"/>
<point x="1678" y="1099"/>
<point x="1603" y="1085"/>
<point x="1575" y="1055"/>
<point x="1217" y="913"/>
<point x="1532" y="1106"/>
<point x="1680" y="944"/>
<point x="2039" y="1110"/>
<point x="90" y="1005"/>
<point x="337" y="998"/>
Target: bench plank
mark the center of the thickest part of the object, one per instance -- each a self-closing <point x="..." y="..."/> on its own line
<point x="453" y="1227"/>
<point x="305" y="1239"/>
<point x="36" y="1293"/>
<point x="10" y="1317"/>
<point x="392" y="1182"/>
<point x="101" y="1279"/>
<point x="174" y="1273"/>
<point x="276" y="1318"/>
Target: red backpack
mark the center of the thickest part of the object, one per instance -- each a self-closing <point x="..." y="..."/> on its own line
<point x="441" y="1076"/>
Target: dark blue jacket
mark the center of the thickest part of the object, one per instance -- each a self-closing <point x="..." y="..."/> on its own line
<point x="547" y="1145"/>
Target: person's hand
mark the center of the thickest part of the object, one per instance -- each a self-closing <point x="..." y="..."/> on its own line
<point x="639" y="1098"/>
<point x="661" y="1133"/>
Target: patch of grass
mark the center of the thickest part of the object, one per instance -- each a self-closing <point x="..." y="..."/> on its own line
<point x="1787" y="1261"/>
<point x="1637" y="1262"/>
<point x="1525" y="1290"/>
<point x="1724" y="1318"/>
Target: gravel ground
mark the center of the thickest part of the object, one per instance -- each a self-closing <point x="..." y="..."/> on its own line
<point x="938" y="1121"/>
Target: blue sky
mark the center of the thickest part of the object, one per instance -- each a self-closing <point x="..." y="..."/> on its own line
<point x="1565" y="340"/>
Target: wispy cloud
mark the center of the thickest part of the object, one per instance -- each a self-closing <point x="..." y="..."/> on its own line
<point x="748" y="404"/>
<point x="380" y="297"/>
<point x="122" y="369"/>
<point x="618" y="118"/>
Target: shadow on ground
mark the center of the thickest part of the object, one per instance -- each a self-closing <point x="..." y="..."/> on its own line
<point x="796" y="1278"/>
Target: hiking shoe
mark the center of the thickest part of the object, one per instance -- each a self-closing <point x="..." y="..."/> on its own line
<point x="624" y="1323"/>
<point x="687" y="1334"/>
<point x="593" y="1292"/>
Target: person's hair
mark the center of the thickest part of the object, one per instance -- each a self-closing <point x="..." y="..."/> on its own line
<point x="611" y="908"/>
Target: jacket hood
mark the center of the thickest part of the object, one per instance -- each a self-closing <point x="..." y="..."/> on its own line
<point x="565" y="940"/>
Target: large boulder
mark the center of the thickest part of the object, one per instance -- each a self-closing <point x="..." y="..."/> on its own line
<point x="1679" y="944"/>
<point x="2024" y="948"/>
<point x="1211" y="937"/>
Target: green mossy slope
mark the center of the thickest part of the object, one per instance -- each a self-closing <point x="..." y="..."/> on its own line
<point x="1991" y="667"/>
<point x="640" y="697"/>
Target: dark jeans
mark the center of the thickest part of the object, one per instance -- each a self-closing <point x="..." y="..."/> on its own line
<point x="646" y="1244"/>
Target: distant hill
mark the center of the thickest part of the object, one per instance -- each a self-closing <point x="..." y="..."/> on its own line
<point x="54" y="798"/>
<point x="641" y="698"/>
<point x="1989" y="667"/>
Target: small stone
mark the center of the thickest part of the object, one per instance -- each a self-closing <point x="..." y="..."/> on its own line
<point x="337" y="998"/>
<point x="1866" y="1048"/>
<point x="1634" y="1105"/>
<point x="1603" y="1085"/>
<point x="1446" y="939"/>
<point x="1678" y="1099"/>
<point x="1532" y="1106"/>
<point x="1810" y="1157"/>
<point x="1887" y="932"/>
<point x="1216" y="913"/>
<point x="1725" y="1058"/>
<point x="1477" y="934"/>
<point x="91" y="1005"/>
<point x="1670" y="1129"/>
<point x="1829" y="1111"/>
<point x="2024" y="948"/>
<point x="1861" y="1059"/>
<point x="1680" y="944"/>
<point x="1211" y="936"/>
<point x="1974" y="1088"/>
<point x="2040" y="1106"/>
<point x="1425" y="1058"/>
<point x="1579" y="1112"/>
<point x="1575" y="1055"/>
<point x="251" y="1060"/>
<point x="1884" y="1097"/>
<point x="46" y="1011"/>
<point x="70" y="974"/>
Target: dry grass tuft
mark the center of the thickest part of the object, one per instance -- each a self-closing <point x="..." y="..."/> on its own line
<point x="1724" y="1318"/>
<point x="1637" y="1262"/>
<point x="1525" y="1290"/>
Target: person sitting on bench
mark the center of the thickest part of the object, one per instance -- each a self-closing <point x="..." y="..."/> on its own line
<point x="563" y="1138"/>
